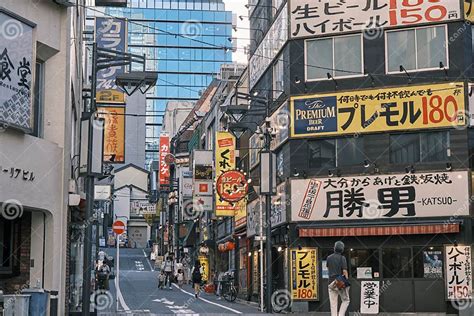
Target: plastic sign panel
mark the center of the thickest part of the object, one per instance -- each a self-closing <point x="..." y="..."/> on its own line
<point x="204" y="261"/>
<point x="304" y="274"/>
<point x="16" y="72"/>
<point x="369" y="297"/>
<point x="110" y="33"/>
<point x="379" y="110"/>
<point x="240" y="218"/>
<point x="418" y="195"/>
<point x="225" y="161"/>
<point x="164" y="169"/>
<point x="232" y="186"/>
<point x="458" y="272"/>
<point x="311" y="18"/>
<point x="114" y="133"/>
<point x="469" y="10"/>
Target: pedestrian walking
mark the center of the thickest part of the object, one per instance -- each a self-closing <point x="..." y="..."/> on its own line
<point x="161" y="280"/>
<point x="103" y="272"/>
<point x="167" y="267"/>
<point x="338" y="284"/>
<point x="197" y="278"/>
<point x="180" y="278"/>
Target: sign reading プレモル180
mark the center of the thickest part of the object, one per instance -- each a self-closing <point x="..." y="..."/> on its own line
<point x="16" y="72"/>
<point x="378" y="110"/>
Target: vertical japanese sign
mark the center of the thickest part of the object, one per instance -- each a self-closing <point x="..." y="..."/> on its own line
<point x="110" y="33"/>
<point x="16" y="73"/>
<point x="204" y="261"/>
<point x="313" y="18"/>
<point x="369" y="297"/>
<point x="304" y="274"/>
<point x="114" y="133"/>
<point x="458" y="272"/>
<point x="469" y="10"/>
<point x="225" y="160"/>
<point x="241" y="214"/>
<point x="163" y="167"/>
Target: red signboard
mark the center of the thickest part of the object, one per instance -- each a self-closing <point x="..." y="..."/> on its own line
<point x="163" y="167"/>
<point x="118" y="227"/>
<point x="232" y="186"/>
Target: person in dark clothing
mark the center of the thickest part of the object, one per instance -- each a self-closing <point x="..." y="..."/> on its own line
<point x="337" y="265"/>
<point x="196" y="278"/>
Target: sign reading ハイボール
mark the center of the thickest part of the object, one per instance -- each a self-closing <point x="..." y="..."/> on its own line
<point x="304" y="274"/>
<point x="313" y="18"/>
<point x="16" y="73"/>
<point x="458" y="272"/>
<point x="380" y="196"/>
<point x="378" y="110"/>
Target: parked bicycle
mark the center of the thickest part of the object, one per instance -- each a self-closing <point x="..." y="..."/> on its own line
<point x="229" y="291"/>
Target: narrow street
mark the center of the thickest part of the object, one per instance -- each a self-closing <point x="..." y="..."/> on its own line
<point x="139" y="293"/>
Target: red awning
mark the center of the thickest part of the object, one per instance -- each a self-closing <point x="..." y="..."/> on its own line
<point x="379" y="230"/>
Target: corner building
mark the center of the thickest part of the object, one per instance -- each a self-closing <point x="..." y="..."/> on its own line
<point x="370" y="102"/>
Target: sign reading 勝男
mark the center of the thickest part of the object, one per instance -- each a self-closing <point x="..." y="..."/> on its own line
<point x="380" y="196"/>
<point x="304" y="274"/>
<point x="379" y="110"/>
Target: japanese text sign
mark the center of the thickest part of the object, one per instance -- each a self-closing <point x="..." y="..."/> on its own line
<point x="369" y="297"/>
<point x="16" y="73"/>
<point x="380" y="110"/>
<point x="458" y="272"/>
<point x="313" y="18"/>
<point x="164" y="168"/>
<point x="204" y="261"/>
<point x="114" y="133"/>
<point x="304" y="274"/>
<point x="225" y="161"/>
<point x="110" y="33"/>
<point x="380" y="196"/>
<point x="240" y="218"/>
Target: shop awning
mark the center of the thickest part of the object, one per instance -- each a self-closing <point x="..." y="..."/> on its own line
<point x="379" y="230"/>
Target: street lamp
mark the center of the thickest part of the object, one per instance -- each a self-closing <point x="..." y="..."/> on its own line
<point x="103" y="58"/>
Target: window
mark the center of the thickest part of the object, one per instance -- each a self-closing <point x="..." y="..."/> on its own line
<point x="416" y="49"/>
<point x="364" y="258"/>
<point x="278" y="75"/>
<point x="322" y="154"/>
<point x="9" y="246"/>
<point x="397" y="263"/>
<point x="350" y="151"/>
<point x="419" y="147"/>
<point x="340" y="56"/>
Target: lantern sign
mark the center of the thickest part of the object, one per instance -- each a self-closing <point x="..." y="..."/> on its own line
<point x="227" y="246"/>
<point x="232" y="186"/>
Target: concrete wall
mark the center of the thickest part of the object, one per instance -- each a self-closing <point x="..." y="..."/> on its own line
<point x="175" y="114"/>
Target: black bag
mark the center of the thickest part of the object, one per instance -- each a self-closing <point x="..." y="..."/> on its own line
<point x="197" y="276"/>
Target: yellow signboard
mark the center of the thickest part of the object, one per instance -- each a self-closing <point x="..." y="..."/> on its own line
<point x="304" y="274"/>
<point x="204" y="261"/>
<point x="469" y="10"/>
<point x="114" y="133"/>
<point x="225" y="160"/>
<point x="240" y="218"/>
<point x="379" y="110"/>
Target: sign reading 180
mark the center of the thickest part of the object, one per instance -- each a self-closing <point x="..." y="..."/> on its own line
<point x="433" y="106"/>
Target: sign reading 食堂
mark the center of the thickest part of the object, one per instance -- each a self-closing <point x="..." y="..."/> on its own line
<point x="313" y="18"/>
<point x="458" y="272"/>
<point x="16" y="73"/>
<point x="304" y="274"/>
<point x="380" y="196"/>
<point x="378" y="110"/>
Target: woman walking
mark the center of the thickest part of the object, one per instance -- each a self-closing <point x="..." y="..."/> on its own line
<point x="197" y="278"/>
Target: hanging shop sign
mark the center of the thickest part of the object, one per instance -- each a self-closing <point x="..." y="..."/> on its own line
<point x="469" y="10"/>
<point x="227" y="246"/>
<point x="304" y="274"/>
<point x="369" y="297"/>
<point x="142" y="208"/>
<point x="311" y="18"/>
<point x="232" y="186"/>
<point x="240" y="218"/>
<point x="163" y="167"/>
<point x="204" y="261"/>
<point x="253" y="217"/>
<point x="114" y="133"/>
<point x="110" y="33"/>
<point x="16" y="73"/>
<point x="380" y="196"/>
<point x="225" y="161"/>
<point x="458" y="272"/>
<point x="186" y="183"/>
<point x="280" y="122"/>
<point x="279" y="206"/>
<point x="256" y="146"/>
<point x="379" y="110"/>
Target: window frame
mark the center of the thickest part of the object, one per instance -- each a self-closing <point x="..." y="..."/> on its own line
<point x="446" y="47"/>
<point x="362" y="74"/>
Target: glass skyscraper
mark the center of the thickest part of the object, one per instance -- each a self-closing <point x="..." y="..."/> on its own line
<point x="185" y="65"/>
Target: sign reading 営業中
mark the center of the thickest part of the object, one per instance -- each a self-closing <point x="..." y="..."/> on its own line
<point x="304" y="274"/>
<point x="313" y="18"/>
<point x="380" y="196"/>
<point x="110" y="33"/>
<point x="16" y="73"/>
<point x="369" y="297"/>
<point x="458" y="272"/>
<point x="379" y="110"/>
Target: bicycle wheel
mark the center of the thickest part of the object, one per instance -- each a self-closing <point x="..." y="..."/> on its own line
<point x="232" y="294"/>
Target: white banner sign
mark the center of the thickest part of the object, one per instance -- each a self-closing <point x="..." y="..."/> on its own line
<point x="311" y="18"/>
<point x="280" y="121"/>
<point x="16" y="73"/>
<point x="369" y="297"/>
<point x="143" y="208"/>
<point x="186" y="183"/>
<point x="458" y="272"/>
<point x="381" y="196"/>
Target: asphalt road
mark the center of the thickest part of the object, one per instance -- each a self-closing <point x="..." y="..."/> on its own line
<point x="139" y="293"/>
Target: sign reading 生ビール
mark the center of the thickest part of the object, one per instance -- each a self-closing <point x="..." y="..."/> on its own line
<point x="304" y="274"/>
<point x="378" y="110"/>
<point x="380" y="196"/>
<point x="313" y="18"/>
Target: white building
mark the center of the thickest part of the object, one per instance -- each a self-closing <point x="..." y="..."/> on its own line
<point x="40" y="103"/>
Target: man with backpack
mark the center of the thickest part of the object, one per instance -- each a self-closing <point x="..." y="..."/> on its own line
<point x="338" y="284"/>
<point x="196" y="278"/>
